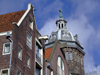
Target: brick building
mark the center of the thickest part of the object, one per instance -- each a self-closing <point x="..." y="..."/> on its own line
<point x="65" y="57"/>
<point x="21" y="52"/>
<point x="22" y="47"/>
<point x="55" y="59"/>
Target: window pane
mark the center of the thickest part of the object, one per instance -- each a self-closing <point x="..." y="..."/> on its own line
<point x="38" y="71"/>
<point x="78" y="58"/>
<point x="67" y="56"/>
<point x="60" y="66"/>
<point x="18" y="72"/>
<point x="4" y="72"/>
<point x="37" y="48"/>
<point x="7" y="48"/>
<point x="29" y="40"/>
<point x="28" y="61"/>
<point x="71" y="58"/>
<point x="19" y="53"/>
<point x="31" y="24"/>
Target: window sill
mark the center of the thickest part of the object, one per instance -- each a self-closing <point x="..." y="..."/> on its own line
<point x="5" y="53"/>
<point x="28" y="66"/>
<point x="20" y="58"/>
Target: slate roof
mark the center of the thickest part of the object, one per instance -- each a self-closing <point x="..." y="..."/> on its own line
<point x="6" y="20"/>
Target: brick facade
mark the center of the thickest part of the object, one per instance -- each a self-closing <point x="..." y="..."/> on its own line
<point x="19" y="34"/>
<point x="55" y="53"/>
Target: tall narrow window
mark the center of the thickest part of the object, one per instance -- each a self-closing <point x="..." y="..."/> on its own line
<point x="29" y="40"/>
<point x="28" y="61"/>
<point x="30" y="24"/>
<point x="75" y="56"/>
<point x="39" y="53"/>
<point x="62" y="25"/>
<point x="18" y="72"/>
<point x="67" y="56"/>
<point x="60" y="66"/>
<point x="59" y="26"/>
<point x="6" y="48"/>
<point x="81" y="61"/>
<point x="78" y="58"/>
<point x="71" y="57"/>
<point x="20" y="53"/>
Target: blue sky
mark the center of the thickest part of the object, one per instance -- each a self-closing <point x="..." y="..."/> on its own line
<point x="83" y="17"/>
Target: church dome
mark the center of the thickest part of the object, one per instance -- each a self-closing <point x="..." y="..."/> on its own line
<point x="62" y="32"/>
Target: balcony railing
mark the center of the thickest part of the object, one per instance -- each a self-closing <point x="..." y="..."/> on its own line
<point x="39" y="57"/>
<point x="60" y="71"/>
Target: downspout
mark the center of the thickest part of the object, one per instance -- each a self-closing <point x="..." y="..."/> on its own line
<point x="10" y="55"/>
<point x="48" y="65"/>
<point x="8" y="36"/>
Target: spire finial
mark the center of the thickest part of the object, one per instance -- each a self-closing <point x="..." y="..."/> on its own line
<point x="61" y="16"/>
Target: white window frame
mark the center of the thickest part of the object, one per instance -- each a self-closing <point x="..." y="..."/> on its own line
<point x="19" y="71"/>
<point x="31" y="24"/>
<point x="60" y="64"/>
<point x="28" y="65"/>
<point x="40" y="51"/>
<point x="51" y="72"/>
<point x="29" y="43"/>
<point x="4" y="69"/>
<point x="4" y="48"/>
<point x="20" y="57"/>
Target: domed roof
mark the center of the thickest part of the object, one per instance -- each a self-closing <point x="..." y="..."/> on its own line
<point x="62" y="32"/>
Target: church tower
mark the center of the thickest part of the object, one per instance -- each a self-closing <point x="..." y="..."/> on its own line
<point x="73" y="51"/>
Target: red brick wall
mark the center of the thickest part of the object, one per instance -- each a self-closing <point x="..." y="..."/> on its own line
<point x="19" y="39"/>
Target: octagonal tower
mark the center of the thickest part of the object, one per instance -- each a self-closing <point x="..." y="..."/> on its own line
<point x="73" y="51"/>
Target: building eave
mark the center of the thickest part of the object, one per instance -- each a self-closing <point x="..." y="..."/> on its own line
<point x="5" y="33"/>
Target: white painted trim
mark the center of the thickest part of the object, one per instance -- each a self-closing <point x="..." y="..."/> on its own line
<point x="72" y="36"/>
<point x="42" y="71"/>
<point x="38" y="42"/>
<point x="22" y="18"/>
<point x="21" y="53"/>
<point x="45" y="37"/>
<point x="29" y="44"/>
<point x="40" y="64"/>
<point x="5" y="33"/>
<point x="4" y="47"/>
<point x="5" y="69"/>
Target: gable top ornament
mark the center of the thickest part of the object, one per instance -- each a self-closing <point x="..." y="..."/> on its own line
<point x="61" y="13"/>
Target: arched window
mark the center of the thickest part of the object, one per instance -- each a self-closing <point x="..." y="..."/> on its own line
<point x="60" y="66"/>
<point x="59" y="26"/>
<point x="62" y="25"/>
